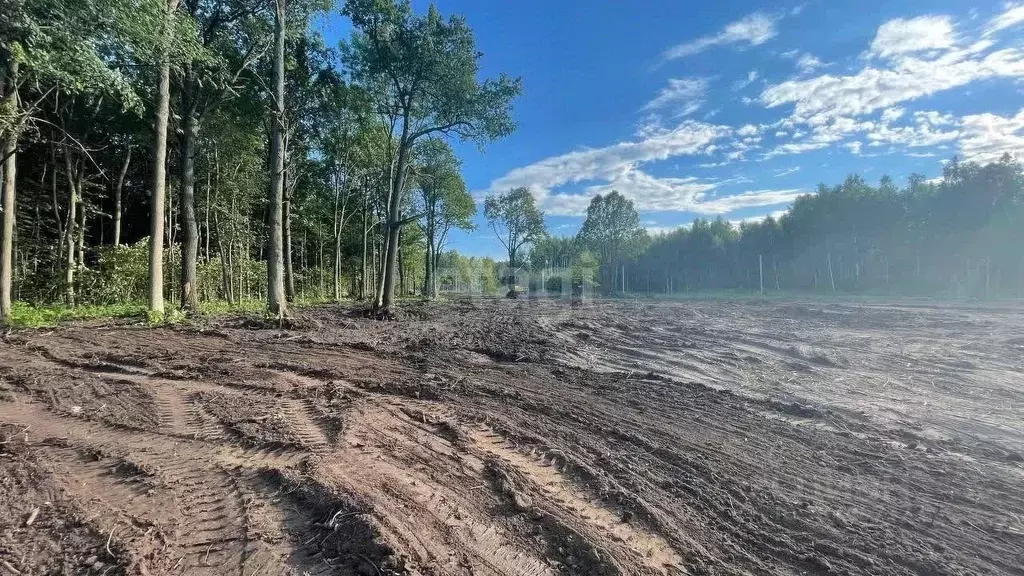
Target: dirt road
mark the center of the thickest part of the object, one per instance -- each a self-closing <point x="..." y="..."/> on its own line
<point x="521" y="438"/>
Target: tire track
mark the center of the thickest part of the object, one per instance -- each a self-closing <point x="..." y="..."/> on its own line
<point x="304" y="425"/>
<point x="189" y="493"/>
<point x="439" y="521"/>
<point x="629" y="542"/>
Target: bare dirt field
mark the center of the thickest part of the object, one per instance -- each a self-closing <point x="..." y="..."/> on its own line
<point x="521" y="438"/>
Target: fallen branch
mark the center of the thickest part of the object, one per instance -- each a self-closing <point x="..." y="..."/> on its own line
<point x="109" y="537"/>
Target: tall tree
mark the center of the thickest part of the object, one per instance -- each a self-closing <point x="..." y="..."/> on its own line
<point x="444" y="202"/>
<point x="159" y="168"/>
<point x="516" y="221"/>
<point x="230" y="36"/>
<point x="276" y="298"/>
<point x="55" y="49"/>
<point x="612" y="231"/>
<point x="423" y="71"/>
<point x="10" y="125"/>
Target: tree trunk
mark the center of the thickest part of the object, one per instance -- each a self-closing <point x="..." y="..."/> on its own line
<point x="289" y="271"/>
<point x="9" y="151"/>
<point x="206" y="209"/>
<point x="275" y="274"/>
<point x="187" y="202"/>
<point x="363" y="281"/>
<point x="831" y="277"/>
<point x="118" y="187"/>
<point x="339" y="223"/>
<point x="69" y="232"/>
<point x="159" y="175"/>
<point x="428" y="269"/>
<point x="80" y="236"/>
<point x="56" y="210"/>
<point x="401" y="265"/>
<point x="394" y="219"/>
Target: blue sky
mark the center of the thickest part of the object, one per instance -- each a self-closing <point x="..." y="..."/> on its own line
<point x="733" y="109"/>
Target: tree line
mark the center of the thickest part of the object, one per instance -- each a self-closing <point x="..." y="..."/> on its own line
<point x="959" y="236"/>
<point x="188" y="150"/>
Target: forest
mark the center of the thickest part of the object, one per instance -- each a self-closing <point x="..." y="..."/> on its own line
<point x="189" y="151"/>
<point x="219" y="151"/>
<point x="957" y="236"/>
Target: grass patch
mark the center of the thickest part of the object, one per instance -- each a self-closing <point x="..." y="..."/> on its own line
<point x="24" y="315"/>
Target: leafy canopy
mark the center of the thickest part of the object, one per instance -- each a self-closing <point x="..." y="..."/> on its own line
<point x="515" y="219"/>
<point x="425" y="68"/>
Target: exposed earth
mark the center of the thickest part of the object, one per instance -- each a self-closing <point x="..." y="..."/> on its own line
<point x="521" y="438"/>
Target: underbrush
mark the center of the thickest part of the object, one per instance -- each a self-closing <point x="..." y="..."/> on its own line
<point x="26" y="315"/>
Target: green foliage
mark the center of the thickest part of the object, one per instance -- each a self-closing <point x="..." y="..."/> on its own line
<point x="460" y="273"/>
<point x="427" y="66"/>
<point x="26" y="315"/>
<point x="584" y="269"/>
<point x="515" y="220"/>
<point x="612" y="231"/>
<point x="77" y="44"/>
<point x="121" y="274"/>
<point x="958" y="237"/>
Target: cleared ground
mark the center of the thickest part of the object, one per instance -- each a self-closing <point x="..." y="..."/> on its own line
<point x="521" y="438"/>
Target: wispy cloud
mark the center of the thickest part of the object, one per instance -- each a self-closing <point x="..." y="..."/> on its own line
<point x="786" y="171"/>
<point x="1010" y="17"/>
<point x="986" y="137"/>
<point x="616" y="164"/>
<point x="753" y="29"/>
<point x="658" y="230"/>
<point x="682" y="97"/>
<point x="752" y="77"/>
<point x="908" y="59"/>
<point x="820" y="98"/>
<point x="808" y="63"/>
<point x="775" y="214"/>
<point x="906" y="36"/>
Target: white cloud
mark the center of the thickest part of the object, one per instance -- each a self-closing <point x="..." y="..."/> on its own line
<point x="854" y="146"/>
<point x="927" y="130"/>
<point x="906" y="36"/>
<point x="776" y="214"/>
<point x="808" y="63"/>
<point x="747" y="130"/>
<point x="822" y="136"/>
<point x="656" y="230"/>
<point x="934" y="118"/>
<point x="892" y="114"/>
<point x="683" y="95"/>
<point x="820" y="98"/>
<point x="986" y="137"/>
<point x="754" y="29"/>
<point x="749" y="199"/>
<point x="752" y="77"/>
<point x="1011" y="16"/>
<point x="654" y="194"/>
<point x="649" y="193"/>
<point x="786" y="171"/>
<point x="615" y="165"/>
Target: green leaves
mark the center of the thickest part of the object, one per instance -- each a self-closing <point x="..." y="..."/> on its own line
<point x="86" y="46"/>
<point x="612" y="227"/>
<point x="515" y="219"/>
<point x="424" y="68"/>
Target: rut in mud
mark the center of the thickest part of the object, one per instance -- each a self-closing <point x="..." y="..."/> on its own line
<point x="520" y="438"/>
